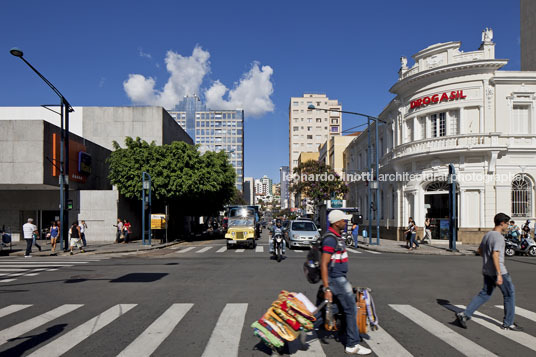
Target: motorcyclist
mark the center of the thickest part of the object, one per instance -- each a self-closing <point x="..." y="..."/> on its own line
<point x="277" y="229"/>
<point x="526" y="229"/>
<point x="514" y="231"/>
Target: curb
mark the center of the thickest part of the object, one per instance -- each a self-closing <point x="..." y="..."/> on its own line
<point x="368" y="247"/>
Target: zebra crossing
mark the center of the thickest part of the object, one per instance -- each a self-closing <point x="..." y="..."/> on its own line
<point x="12" y="269"/>
<point x="181" y="250"/>
<point x="224" y="338"/>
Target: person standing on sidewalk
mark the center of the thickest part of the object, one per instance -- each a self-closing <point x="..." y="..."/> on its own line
<point x="495" y="274"/>
<point x="28" y="230"/>
<point x="333" y="270"/>
<point x="83" y="228"/>
<point x="119" y="231"/>
<point x="427" y="231"/>
<point x="355" y="233"/>
<point x="75" y="234"/>
<point x="126" y="231"/>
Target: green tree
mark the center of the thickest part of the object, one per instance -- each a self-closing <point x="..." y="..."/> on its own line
<point x="179" y="173"/>
<point x="317" y="181"/>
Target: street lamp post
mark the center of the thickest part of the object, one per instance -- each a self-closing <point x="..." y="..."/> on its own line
<point x="374" y="181"/>
<point x="64" y="149"/>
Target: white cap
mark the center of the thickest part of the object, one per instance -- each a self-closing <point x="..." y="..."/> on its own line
<point x="338" y="215"/>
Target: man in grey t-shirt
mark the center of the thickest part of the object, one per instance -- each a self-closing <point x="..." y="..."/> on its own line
<point x="495" y="274"/>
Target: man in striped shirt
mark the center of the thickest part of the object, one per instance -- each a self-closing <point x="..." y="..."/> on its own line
<point x="333" y="268"/>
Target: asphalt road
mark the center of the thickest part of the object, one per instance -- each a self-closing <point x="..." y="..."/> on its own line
<point x="199" y="301"/>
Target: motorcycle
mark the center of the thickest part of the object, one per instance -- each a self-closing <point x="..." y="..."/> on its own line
<point x="525" y="246"/>
<point x="278" y="247"/>
<point x="348" y="239"/>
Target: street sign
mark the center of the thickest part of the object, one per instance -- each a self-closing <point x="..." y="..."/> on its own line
<point x="158" y="221"/>
<point x="337" y="204"/>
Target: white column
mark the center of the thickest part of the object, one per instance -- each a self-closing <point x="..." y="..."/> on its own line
<point x="461" y="213"/>
<point x="482" y="208"/>
<point x="461" y="128"/>
<point x="481" y="112"/>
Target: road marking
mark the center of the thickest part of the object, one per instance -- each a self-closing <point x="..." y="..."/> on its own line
<point x="13" y="269"/>
<point x="157" y="332"/>
<point x="373" y="252"/>
<point x="28" y="325"/>
<point x="67" y="341"/>
<point x="522" y="312"/>
<point x="25" y="262"/>
<point x="34" y="266"/>
<point x="436" y="328"/>
<point x="204" y="250"/>
<point x="353" y="250"/>
<point x="224" y="340"/>
<point x="186" y="250"/>
<point x="259" y="249"/>
<point x="384" y="345"/>
<point x="52" y="269"/>
<point x="240" y="250"/>
<point x="221" y="250"/>
<point x="517" y="336"/>
<point x="314" y="348"/>
<point x="31" y="274"/>
<point x="7" y="280"/>
<point x="11" y="309"/>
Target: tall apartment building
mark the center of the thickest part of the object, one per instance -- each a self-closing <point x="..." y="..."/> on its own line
<point x="310" y="128"/>
<point x="285" y="196"/>
<point x="249" y="190"/>
<point x="263" y="186"/>
<point x="214" y="130"/>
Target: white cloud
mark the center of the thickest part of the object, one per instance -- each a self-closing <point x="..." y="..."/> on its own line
<point x="143" y="54"/>
<point x="252" y="93"/>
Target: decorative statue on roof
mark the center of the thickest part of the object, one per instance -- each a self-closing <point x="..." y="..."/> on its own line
<point x="403" y="62"/>
<point x="487" y="35"/>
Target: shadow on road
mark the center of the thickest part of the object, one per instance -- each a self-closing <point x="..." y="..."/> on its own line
<point x="33" y="340"/>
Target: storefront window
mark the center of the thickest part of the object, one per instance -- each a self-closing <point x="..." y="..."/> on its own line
<point x="521" y="197"/>
<point x="439" y="124"/>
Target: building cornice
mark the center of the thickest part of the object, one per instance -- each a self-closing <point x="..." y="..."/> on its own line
<point x="421" y="79"/>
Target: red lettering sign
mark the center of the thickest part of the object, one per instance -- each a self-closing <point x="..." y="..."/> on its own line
<point x="434" y="99"/>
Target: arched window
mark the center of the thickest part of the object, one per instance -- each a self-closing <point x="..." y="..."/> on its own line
<point x="521" y="196"/>
<point x="437" y="186"/>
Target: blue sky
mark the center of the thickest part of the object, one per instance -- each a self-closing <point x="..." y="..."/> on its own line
<point x="348" y="49"/>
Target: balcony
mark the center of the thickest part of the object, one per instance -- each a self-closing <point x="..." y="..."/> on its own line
<point x="469" y="142"/>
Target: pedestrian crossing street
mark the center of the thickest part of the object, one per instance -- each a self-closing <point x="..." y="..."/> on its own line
<point x="224" y="338"/>
<point x="12" y="269"/>
<point x="258" y="249"/>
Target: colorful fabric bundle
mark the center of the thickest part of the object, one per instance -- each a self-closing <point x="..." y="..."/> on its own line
<point x="288" y="316"/>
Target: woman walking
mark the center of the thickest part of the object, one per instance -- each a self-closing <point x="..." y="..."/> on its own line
<point x="75" y="234"/>
<point x="427" y="231"/>
<point x="54" y="234"/>
<point x="411" y="233"/>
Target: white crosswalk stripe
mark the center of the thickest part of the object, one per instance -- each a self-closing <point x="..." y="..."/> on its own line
<point x="224" y="340"/>
<point x="204" y="250"/>
<point x="520" y="337"/>
<point x="67" y="341"/>
<point x="154" y="335"/>
<point x="26" y="326"/>
<point x="373" y="252"/>
<point x="240" y="250"/>
<point x="225" y="336"/>
<point x="11" y="309"/>
<point x="222" y="250"/>
<point x="185" y="250"/>
<point x="259" y="249"/>
<point x="353" y="250"/>
<point x="13" y="268"/>
<point x="522" y="312"/>
<point x="436" y="328"/>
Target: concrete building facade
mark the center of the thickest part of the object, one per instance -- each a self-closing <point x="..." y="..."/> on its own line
<point x="452" y="107"/>
<point x="528" y="35"/>
<point x="249" y="190"/>
<point x="284" y="186"/>
<point x="308" y="129"/>
<point x="29" y="177"/>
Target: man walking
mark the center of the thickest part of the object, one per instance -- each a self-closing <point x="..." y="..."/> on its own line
<point x="333" y="269"/>
<point x="83" y="228"/>
<point x="495" y="274"/>
<point x="29" y="229"/>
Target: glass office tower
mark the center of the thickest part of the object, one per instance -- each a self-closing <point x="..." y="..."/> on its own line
<point x="214" y="130"/>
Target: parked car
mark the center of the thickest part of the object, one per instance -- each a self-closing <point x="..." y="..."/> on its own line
<point x="301" y="233"/>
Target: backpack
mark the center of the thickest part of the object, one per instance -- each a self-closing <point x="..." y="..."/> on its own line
<point x="311" y="267"/>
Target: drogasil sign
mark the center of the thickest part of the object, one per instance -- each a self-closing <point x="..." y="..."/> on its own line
<point x="437" y="98"/>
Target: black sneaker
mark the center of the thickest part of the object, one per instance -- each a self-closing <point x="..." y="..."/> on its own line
<point x="462" y="319"/>
<point x="512" y="327"/>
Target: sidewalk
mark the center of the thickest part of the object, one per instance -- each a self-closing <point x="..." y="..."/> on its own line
<point x="19" y="248"/>
<point x="393" y="246"/>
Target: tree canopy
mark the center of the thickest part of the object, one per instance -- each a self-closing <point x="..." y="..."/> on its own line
<point x="178" y="172"/>
<point x="317" y="181"/>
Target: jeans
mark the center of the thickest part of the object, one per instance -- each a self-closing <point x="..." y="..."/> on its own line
<point x="427" y="235"/>
<point x="83" y="239"/>
<point x="29" y="243"/>
<point x="35" y="243"/>
<point x="355" y="234"/>
<point x="272" y="244"/>
<point x="412" y="240"/>
<point x="342" y="289"/>
<point x="509" y="294"/>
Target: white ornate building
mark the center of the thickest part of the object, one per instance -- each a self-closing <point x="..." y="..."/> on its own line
<point x="453" y="107"/>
